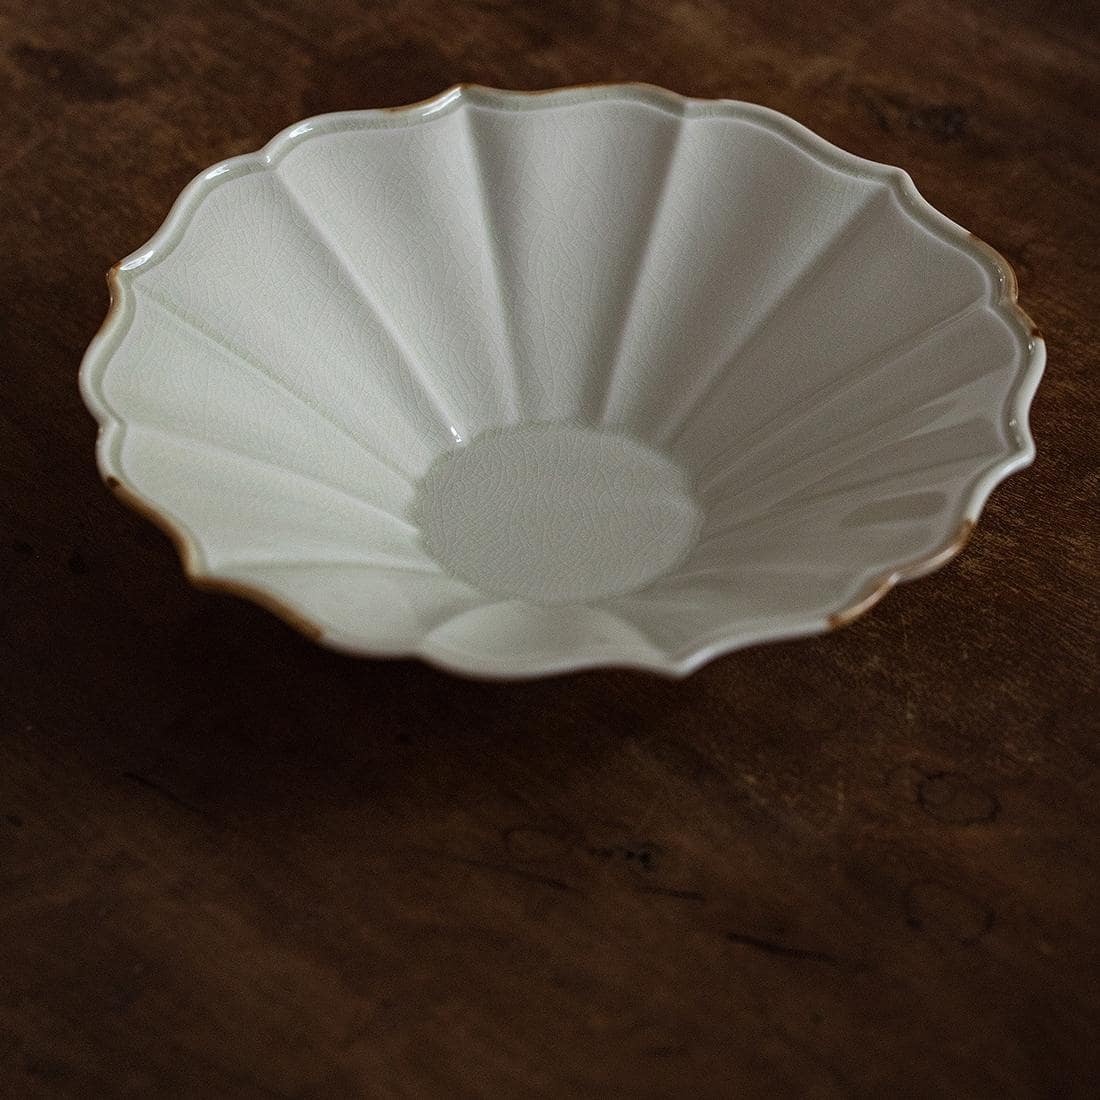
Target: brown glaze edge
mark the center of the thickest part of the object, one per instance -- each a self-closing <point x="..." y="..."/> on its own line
<point x="202" y="581"/>
<point x="1012" y="283"/>
<point x="914" y="569"/>
<point x="180" y="541"/>
<point x="114" y="288"/>
<point x="838" y="619"/>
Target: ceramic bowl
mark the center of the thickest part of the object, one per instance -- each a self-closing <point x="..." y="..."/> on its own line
<point x="523" y="383"/>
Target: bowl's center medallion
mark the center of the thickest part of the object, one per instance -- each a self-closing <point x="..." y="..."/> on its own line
<point x="556" y="513"/>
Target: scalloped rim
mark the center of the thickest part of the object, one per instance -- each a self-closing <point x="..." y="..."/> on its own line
<point x="116" y="323"/>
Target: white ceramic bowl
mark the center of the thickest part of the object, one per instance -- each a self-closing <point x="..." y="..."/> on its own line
<point x="527" y="383"/>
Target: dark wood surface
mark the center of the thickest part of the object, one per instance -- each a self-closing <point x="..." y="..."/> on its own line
<point x="233" y="864"/>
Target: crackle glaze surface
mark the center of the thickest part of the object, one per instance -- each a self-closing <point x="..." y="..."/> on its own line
<point x="520" y="384"/>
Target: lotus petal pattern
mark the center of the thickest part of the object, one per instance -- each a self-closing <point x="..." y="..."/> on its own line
<point x="527" y="383"/>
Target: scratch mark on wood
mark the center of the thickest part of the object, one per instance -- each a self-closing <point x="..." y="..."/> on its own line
<point x="504" y="869"/>
<point x="662" y="891"/>
<point x="770" y="947"/>
<point x="152" y="785"/>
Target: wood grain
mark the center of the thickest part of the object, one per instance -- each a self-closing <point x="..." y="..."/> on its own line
<point x="235" y="865"/>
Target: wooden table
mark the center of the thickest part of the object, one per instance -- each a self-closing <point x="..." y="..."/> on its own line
<point x="233" y="864"/>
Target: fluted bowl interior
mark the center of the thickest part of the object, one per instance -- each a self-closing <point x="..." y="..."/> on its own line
<point x="526" y="383"/>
